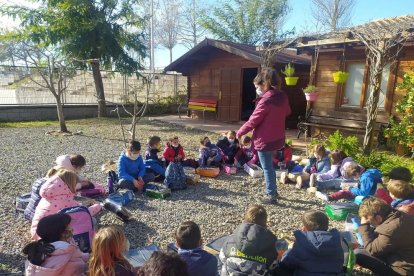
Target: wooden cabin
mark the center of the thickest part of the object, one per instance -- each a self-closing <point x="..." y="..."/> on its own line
<point x="343" y="106"/>
<point x="224" y="71"/>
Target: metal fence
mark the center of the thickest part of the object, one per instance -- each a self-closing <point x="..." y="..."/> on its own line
<point x="18" y="88"/>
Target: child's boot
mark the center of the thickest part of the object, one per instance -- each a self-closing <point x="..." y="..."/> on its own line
<point x="283" y="178"/>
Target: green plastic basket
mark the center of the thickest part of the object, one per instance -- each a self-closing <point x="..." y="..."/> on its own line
<point x="340" y="210"/>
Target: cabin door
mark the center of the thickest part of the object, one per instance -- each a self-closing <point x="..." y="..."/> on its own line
<point x="229" y="102"/>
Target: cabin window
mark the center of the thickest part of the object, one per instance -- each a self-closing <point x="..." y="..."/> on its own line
<point x="354" y="85"/>
<point x="384" y="84"/>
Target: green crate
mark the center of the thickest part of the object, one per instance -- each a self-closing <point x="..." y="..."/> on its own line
<point x="159" y="193"/>
<point x="340" y="210"/>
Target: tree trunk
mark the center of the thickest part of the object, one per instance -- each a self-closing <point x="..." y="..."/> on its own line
<point x="60" y="114"/>
<point x="100" y="93"/>
<point x="171" y="55"/>
<point x="372" y="110"/>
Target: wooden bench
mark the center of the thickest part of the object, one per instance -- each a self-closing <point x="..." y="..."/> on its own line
<point x="199" y="104"/>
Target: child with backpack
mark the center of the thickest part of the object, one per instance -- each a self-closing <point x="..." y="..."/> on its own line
<point x="210" y="154"/>
<point x="151" y="160"/>
<point x="173" y="151"/>
<point x="388" y="239"/>
<point x="251" y="249"/>
<point x="246" y="154"/>
<point x="107" y="256"/>
<point x="333" y="178"/>
<point x="402" y="194"/>
<point x="398" y="173"/>
<point x="53" y="253"/>
<point x="131" y="168"/>
<point x="317" y="250"/>
<point x="189" y="244"/>
<point x="319" y="163"/>
<point x="58" y="193"/>
<point x="368" y="180"/>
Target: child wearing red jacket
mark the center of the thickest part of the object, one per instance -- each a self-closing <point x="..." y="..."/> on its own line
<point x="173" y="152"/>
<point x="284" y="155"/>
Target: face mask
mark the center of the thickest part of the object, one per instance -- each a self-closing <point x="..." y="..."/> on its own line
<point x="259" y="92"/>
<point x="133" y="156"/>
<point x="158" y="146"/>
<point x="175" y="145"/>
<point x="247" y="146"/>
<point x="231" y="140"/>
<point x="208" y="144"/>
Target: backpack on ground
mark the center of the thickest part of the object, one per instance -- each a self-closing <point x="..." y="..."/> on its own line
<point x="34" y="198"/>
<point x="21" y="202"/>
<point x="95" y="190"/>
<point x="175" y="178"/>
<point x="82" y="224"/>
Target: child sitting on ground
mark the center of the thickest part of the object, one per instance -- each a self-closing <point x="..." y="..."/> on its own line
<point x="163" y="264"/>
<point x="320" y="163"/>
<point x="402" y="194"/>
<point x="317" y="250"/>
<point x="246" y="154"/>
<point x="131" y="168"/>
<point x="284" y="156"/>
<point x="229" y="145"/>
<point x="74" y="163"/>
<point x="152" y="162"/>
<point x="388" y="239"/>
<point x="210" y="154"/>
<point x="107" y="257"/>
<point x="173" y="151"/>
<point x="54" y="254"/>
<point x="189" y="244"/>
<point x="251" y="249"/>
<point x="333" y="178"/>
<point x="399" y="173"/>
<point x="368" y="180"/>
<point x="58" y="193"/>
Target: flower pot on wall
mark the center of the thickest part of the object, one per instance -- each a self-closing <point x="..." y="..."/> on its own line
<point x="291" y="80"/>
<point x="401" y="149"/>
<point x="311" y="97"/>
<point x="340" y="77"/>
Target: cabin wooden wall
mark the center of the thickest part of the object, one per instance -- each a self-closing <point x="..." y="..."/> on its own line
<point x="326" y="110"/>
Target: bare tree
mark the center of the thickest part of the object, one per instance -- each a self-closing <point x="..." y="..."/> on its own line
<point x="333" y="14"/>
<point x="169" y="23"/>
<point x="383" y="42"/>
<point x="53" y="70"/>
<point x="191" y="31"/>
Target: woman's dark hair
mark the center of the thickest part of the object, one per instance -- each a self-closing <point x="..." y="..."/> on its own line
<point x="270" y="77"/>
<point x="49" y="229"/>
<point x="134" y="145"/>
<point x="77" y="160"/>
<point x="338" y="156"/>
<point x="164" y="264"/>
<point x="153" y="140"/>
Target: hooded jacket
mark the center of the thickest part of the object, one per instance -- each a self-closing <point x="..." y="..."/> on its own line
<point x="64" y="162"/>
<point x="367" y="183"/>
<point x="55" y="196"/>
<point x="66" y="260"/>
<point x="404" y="205"/>
<point x="130" y="169"/>
<point x="268" y="121"/>
<point x="392" y="241"/>
<point x="199" y="262"/>
<point x="321" y="166"/>
<point x="251" y="250"/>
<point x="315" y="253"/>
<point x="170" y="153"/>
<point x="210" y="151"/>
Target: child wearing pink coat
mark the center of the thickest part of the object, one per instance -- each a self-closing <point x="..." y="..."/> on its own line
<point x="53" y="254"/>
<point x="58" y="193"/>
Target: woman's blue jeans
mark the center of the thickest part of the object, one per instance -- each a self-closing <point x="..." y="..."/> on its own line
<point x="269" y="172"/>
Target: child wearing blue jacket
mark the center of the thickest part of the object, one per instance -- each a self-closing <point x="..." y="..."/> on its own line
<point x="317" y="250"/>
<point x="131" y="168"/>
<point x="210" y="154"/>
<point x="368" y="180"/>
<point x="189" y="244"/>
<point x="152" y="162"/>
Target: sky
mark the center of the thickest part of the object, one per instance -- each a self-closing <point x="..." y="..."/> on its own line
<point x="299" y="17"/>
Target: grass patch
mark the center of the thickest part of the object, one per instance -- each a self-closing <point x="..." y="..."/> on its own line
<point x="27" y="124"/>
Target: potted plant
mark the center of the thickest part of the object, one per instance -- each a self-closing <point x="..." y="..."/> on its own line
<point x="340" y="76"/>
<point x="289" y="72"/>
<point x="310" y="93"/>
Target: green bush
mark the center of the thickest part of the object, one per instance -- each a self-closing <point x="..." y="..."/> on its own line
<point x="348" y="144"/>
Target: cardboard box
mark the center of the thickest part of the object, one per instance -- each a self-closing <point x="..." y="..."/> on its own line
<point x="253" y="170"/>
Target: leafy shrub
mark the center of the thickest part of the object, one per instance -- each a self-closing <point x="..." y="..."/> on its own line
<point x="349" y="144"/>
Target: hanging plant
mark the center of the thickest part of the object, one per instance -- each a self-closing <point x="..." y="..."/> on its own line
<point x="310" y="93"/>
<point x="340" y="76"/>
<point x="289" y="72"/>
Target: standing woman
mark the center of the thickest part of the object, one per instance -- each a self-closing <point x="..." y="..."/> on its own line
<point x="268" y="125"/>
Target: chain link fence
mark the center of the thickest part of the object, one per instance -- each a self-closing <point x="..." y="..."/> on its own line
<point x="18" y="87"/>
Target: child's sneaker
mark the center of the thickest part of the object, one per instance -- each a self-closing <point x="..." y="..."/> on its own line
<point x="283" y="178"/>
<point x="312" y="180"/>
<point x="299" y="183"/>
<point x="322" y="196"/>
<point x="311" y="190"/>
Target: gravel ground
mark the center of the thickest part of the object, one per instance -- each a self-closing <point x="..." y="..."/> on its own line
<point x="217" y="205"/>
